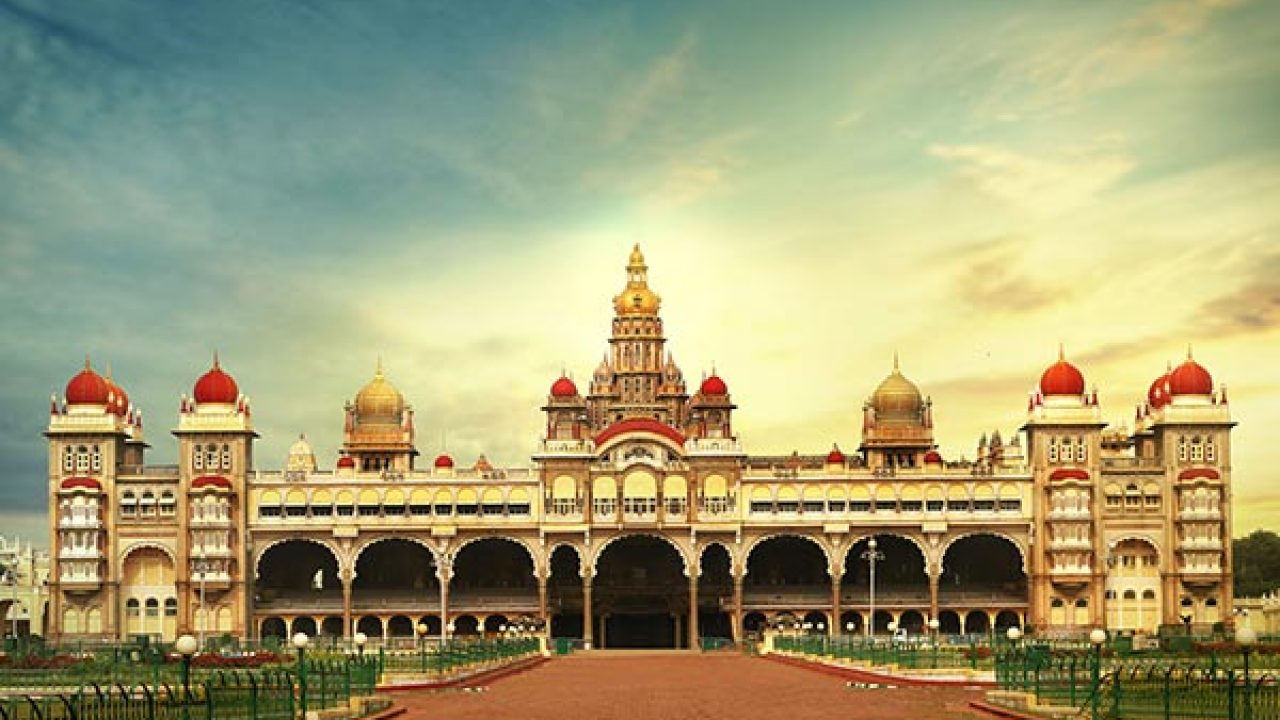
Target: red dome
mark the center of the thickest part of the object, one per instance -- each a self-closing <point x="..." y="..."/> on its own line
<point x="87" y="388"/>
<point x="933" y="456"/>
<point x="346" y="461"/>
<point x="118" y="400"/>
<point x="713" y="385"/>
<point x="1062" y="378"/>
<point x="216" y="386"/>
<point x="444" y="461"/>
<point x="1190" y="378"/>
<point x="1158" y="393"/>
<point x="835" y="457"/>
<point x="564" y="388"/>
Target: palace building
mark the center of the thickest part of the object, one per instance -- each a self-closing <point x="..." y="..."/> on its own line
<point x="642" y="520"/>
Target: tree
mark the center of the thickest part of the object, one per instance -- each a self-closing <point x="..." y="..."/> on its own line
<point x="1256" y="563"/>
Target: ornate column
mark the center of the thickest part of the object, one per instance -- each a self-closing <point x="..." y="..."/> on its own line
<point x="444" y="573"/>
<point x="837" y="582"/>
<point x="693" y="611"/>
<point x="347" y="579"/>
<point x="935" y="574"/>
<point x="542" y="604"/>
<point x="738" y="578"/>
<point x="588" y="624"/>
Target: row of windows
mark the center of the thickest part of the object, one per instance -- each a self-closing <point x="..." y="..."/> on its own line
<point x="1132" y="594"/>
<point x="414" y="510"/>
<point x="131" y="505"/>
<point x="1194" y="449"/>
<point x="1067" y="449"/>
<point x="82" y="458"/>
<point x="902" y="506"/>
<point x="211" y="457"/>
<point x="134" y="608"/>
<point x="1133" y="499"/>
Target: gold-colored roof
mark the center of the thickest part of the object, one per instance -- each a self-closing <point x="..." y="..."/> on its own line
<point x="379" y="401"/>
<point x="636" y="298"/>
<point x="897" y="397"/>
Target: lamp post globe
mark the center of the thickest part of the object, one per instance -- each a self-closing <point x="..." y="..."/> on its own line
<point x="872" y="543"/>
<point x="1246" y="636"/>
<point x="849" y="626"/>
<point x="934" y="624"/>
<point x="893" y="626"/>
<point x="1014" y="634"/>
<point x="1098" y="636"/>
<point x="300" y="641"/>
<point x="186" y="645"/>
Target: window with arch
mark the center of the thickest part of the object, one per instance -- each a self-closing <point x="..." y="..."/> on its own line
<point x="1197" y="450"/>
<point x="148" y="504"/>
<point x="1111" y="594"/>
<point x="82" y="459"/>
<point x="1130" y="594"/>
<point x="168" y="504"/>
<point x="68" y="458"/>
<point x="1148" y="594"/>
<point x="1082" y="603"/>
<point x="1210" y="454"/>
<point x="1182" y="449"/>
<point x="211" y="457"/>
<point x="153" y="607"/>
<point x="226" y="457"/>
<point x="197" y="459"/>
<point x="95" y="459"/>
<point x="1053" y="450"/>
<point x="171" y="607"/>
<point x="1080" y="453"/>
<point x="128" y="504"/>
<point x="1057" y="603"/>
<point x="1065" y="453"/>
<point x="132" y="607"/>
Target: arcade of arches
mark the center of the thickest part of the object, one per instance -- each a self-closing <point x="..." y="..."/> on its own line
<point x="638" y="590"/>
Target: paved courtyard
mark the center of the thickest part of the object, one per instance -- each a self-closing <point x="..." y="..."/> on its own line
<point x="674" y="686"/>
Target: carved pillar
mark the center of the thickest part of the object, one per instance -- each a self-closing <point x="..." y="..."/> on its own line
<point x="588" y="623"/>
<point x="444" y="573"/>
<point x="738" y="579"/>
<point x="542" y="605"/>
<point x="836" y="582"/>
<point x="934" y="577"/>
<point x="347" y="579"/>
<point x="693" y="611"/>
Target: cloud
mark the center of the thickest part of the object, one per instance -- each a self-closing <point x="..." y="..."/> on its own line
<point x="1253" y="306"/>
<point x="1049" y="184"/>
<point x="1057" y="75"/>
<point x="991" y="276"/>
<point x="637" y="103"/>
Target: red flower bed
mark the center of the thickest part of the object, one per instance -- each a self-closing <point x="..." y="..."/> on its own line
<point x="250" y="660"/>
<point x="35" y="662"/>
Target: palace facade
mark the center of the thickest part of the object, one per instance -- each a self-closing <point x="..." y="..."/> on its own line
<point x="642" y="520"/>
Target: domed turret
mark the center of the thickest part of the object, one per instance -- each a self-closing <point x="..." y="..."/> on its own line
<point x="636" y="298"/>
<point x="87" y="387"/>
<point x="713" y="385"/>
<point x="835" y="457"/>
<point x="897" y="398"/>
<point x="379" y="401"/>
<point x="1158" y="395"/>
<point x="443" y="462"/>
<point x="1190" y="378"/>
<point x="301" y="457"/>
<point x="1062" y="378"/>
<point x="564" y="388"/>
<point x="216" y="386"/>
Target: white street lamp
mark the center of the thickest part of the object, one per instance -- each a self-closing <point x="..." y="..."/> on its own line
<point x="1014" y="634"/>
<point x="871" y="555"/>
<point x="360" y="639"/>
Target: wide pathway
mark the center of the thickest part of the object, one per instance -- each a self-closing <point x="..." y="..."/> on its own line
<point x="678" y="686"/>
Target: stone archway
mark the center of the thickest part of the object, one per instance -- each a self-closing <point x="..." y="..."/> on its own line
<point x="640" y="594"/>
<point x="715" y="587"/>
<point x="564" y="592"/>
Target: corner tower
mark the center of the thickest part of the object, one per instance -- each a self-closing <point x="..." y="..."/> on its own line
<point x="378" y="432"/>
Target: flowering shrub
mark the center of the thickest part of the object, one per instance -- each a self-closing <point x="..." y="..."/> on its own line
<point x="35" y="662"/>
<point x="248" y="660"/>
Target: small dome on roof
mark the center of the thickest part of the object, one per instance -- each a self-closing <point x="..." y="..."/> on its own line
<point x="216" y="386"/>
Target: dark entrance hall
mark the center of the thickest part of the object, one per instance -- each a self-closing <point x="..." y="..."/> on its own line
<point x="641" y="595"/>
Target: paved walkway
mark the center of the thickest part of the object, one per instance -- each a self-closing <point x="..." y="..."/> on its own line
<point x="682" y="686"/>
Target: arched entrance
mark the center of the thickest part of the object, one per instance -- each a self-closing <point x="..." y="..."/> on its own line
<point x="298" y="575"/>
<point x="1133" y="586"/>
<point x="493" y="574"/>
<point x="395" y="575"/>
<point x="901" y="585"/>
<point x="640" y="594"/>
<point x="273" y="627"/>
<point x="147" y="583"/>
<point x="714" y="585"/>
<point x="564" y="593"/>
<point x="986" y="566"/>
<point x="787" y="573"/>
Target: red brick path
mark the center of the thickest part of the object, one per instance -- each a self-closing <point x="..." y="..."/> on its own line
<point x="620" y="686"/>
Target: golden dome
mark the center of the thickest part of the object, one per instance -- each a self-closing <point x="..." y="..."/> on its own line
<point x="636" y="298"/>
<point x="379" y="401"/>
<point x="897" y="397"/>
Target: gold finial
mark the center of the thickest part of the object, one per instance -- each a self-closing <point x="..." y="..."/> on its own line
<point x="1189" y="351"/>
<point x="108" y="370"/>
<point x="87" y="366"/>
<point x="637" y="258"/>
<point x="377" y="368"/>
<point x="216" y="366"/>
<point x="1062" y="355"/>
<point x="895" y="361"/>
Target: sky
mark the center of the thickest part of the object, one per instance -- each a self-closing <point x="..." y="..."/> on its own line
<point x="455" y="186"/>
